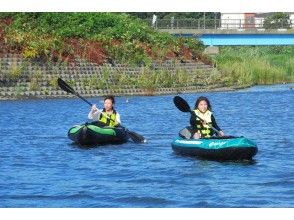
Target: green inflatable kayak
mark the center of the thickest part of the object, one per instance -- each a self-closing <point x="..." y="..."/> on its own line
<point x="89" y="134"/>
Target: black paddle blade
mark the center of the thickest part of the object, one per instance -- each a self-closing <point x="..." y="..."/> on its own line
<point x="137" y="138"/>
<point x="64" y="86"/>
<point x="181" y="104"/>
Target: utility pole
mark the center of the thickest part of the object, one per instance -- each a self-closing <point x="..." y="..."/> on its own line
<point x="204" y="20"/>
<point x="214" y="20"/>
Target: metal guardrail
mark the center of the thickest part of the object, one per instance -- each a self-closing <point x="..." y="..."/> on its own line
<point x="255" y="23"/>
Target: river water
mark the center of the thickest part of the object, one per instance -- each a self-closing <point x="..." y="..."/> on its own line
<point x="40" y="167"/>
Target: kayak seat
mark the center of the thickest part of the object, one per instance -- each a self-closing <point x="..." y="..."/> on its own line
<point x="186" y="132"/>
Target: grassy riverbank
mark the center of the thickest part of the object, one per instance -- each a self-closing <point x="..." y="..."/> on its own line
<point x="97" y="37"/>
<point x="81" y="46"/>
<point x="97" y="53"/>
<point x="252" y="65"/>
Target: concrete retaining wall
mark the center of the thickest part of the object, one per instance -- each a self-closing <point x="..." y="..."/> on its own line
<point x="22" y="78"/>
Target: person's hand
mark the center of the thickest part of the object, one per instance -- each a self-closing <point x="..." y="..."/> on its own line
<point x="204" y="122"/>
<point x="221" y="133"/>
<point x="94" y="108"/>
<point x="196" y="136"/>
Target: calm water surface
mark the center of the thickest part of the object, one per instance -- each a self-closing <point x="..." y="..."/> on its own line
<point x="40" y="167"/>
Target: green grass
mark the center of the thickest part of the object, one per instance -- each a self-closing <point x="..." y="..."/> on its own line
<point x="251" y="65"/>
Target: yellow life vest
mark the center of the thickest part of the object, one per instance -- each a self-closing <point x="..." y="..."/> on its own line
<point x="110" y="120"/>
<point x="204" y="129"/>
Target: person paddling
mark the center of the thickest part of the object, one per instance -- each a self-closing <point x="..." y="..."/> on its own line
<point x="203" y="129"/>
<point x="108" y="116"/>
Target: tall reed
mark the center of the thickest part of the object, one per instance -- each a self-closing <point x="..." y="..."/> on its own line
<point x="256" y="65"/>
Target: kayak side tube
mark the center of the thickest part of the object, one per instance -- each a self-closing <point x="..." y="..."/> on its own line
<point x="238" y="148"/>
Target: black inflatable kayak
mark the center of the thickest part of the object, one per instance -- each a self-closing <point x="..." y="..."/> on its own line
<point x="90" y="134"/>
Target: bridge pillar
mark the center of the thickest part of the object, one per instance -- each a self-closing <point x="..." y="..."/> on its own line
<point x="212" y="50"/>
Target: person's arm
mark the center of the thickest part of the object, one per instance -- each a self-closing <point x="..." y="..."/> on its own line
<point x="193" y="121"/>
<point x="118" y="121"/>
<point x="94" y="114"/>
<point x="214" y="124"/>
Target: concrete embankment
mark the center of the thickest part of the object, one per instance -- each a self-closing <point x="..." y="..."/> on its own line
<point x="22" y="79"/>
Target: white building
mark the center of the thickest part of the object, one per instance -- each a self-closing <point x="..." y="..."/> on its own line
<point x="246" y="20"/>
<point x="292" y="20"/>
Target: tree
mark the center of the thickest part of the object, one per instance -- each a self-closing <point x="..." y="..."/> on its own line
<point x="176" y="15"/>
<point x="277" y="20"/>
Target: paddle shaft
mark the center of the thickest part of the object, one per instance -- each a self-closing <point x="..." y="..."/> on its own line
<point x="103" y="113"/>
<point x="71" y="90"/>
<point x="213" y="128"/>
<point x="137" y="138"/>
<point x="78" y="95"/>
<point x="183" y="106"/>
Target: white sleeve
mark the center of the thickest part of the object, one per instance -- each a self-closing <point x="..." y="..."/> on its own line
<point x="94" y="116"/>
<point x="118" y="118"/>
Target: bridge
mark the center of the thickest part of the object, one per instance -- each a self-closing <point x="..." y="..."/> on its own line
<point x="221" y="32"/>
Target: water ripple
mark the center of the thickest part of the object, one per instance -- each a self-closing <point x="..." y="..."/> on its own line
<point x="42" y="168"/>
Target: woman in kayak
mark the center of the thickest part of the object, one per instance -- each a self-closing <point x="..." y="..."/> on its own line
<point x="108" y="116"/>
<point x="203" y="129"/>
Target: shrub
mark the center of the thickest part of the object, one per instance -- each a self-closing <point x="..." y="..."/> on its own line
<point x="124" y="38"/>
<point x="277" y="20"/>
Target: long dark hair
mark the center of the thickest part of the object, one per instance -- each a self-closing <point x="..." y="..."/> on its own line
<point x="203" y="98"/>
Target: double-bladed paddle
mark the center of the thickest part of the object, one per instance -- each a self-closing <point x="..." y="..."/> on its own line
<point x="137" y="138"/>
<point x="183" y="106"/>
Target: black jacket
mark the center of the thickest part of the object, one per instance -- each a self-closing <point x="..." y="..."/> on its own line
<point x="194" y="123"/>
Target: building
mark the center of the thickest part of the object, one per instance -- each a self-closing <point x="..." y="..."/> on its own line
<point x="247" y="20"/>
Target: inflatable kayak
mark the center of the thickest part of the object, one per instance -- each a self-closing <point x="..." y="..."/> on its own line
<point x="216" y="148"/>
<point x="90" y="134"/>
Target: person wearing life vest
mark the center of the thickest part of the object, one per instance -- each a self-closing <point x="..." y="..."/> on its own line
<point x="204" y="111"/>
<point x="108" y="116"/>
